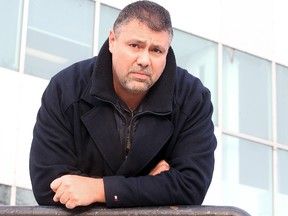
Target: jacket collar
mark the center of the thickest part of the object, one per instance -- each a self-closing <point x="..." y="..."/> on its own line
<point x="159" y="98"/>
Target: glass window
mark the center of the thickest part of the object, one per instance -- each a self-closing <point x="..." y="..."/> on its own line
<point x="10" y="23"/>
<point x="199" y="57"/>
<point x="282" y="103"/>
<point x="5" y="193"/>
<point x="108" y="16"/>
<point x="25" y="197"/>
<point x="282" y="195"/>
<point x="60" y="32"/>
<point x="247" y="175"/>
<point x="247" y="94"/>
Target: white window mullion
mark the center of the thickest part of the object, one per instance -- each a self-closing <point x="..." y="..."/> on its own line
<point x="23" y="35"/>
<point x="274" y="140"/>
<point x="96" y="27"/>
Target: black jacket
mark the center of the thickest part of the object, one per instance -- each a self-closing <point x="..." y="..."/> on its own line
<point x="76" y="133"/>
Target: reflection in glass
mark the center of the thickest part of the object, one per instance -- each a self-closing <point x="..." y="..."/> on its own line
<point x="247" y="175"/>
<point x="199" y="57"/>
<point x="247" y="94"/>
<point x="282" y="193"/>
<point x="107" y="17"/>
<point x="5" y="193"/>
<point x="282" y="103"/>
<point x="25" y="197"/>
<point x="60" y="32"/>
<point x="10" y="25"/>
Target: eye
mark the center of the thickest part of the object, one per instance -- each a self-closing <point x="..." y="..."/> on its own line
<point x="156" y="50"/>
<point x="134" y="45"/>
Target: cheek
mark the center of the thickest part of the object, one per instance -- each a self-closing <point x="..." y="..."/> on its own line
<point x="124" y="58"/>
<point x="158" y="69"/>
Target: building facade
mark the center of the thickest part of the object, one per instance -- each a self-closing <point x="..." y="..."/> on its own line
<point x="237" y="48"/>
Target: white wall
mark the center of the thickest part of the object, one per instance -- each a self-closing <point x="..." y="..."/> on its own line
<point x="20" y="99"/>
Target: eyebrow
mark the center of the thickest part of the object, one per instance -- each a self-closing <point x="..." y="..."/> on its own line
<point x="138" y="41"/>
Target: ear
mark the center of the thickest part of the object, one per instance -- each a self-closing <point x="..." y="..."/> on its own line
<point x="112" y="40"/>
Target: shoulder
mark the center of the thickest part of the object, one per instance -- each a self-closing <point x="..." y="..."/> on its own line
<point x="79" y="71"/>
<point x="69" y="84"/>
<point x="190" y="91"/>
<point x="186" y="83"/>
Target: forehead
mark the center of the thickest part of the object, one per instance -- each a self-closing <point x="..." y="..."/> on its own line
<point x="135" y="29"/>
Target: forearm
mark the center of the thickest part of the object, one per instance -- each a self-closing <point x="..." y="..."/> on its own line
<point x="74" y="190"/>
<point x="167" y="188"/>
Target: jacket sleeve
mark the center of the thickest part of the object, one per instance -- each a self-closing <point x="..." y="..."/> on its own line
<point x="51" y="135"/>
<point x="191" y="161"/>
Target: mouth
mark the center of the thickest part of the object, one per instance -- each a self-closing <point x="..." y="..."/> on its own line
<point x="140" y="75"/>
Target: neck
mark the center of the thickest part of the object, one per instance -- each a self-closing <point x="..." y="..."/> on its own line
<point x="132" y="100"/>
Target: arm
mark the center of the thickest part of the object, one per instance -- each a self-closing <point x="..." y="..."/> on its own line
<point x="73" y="190"/>
<point x="191" y="159"/>
<point x="52" y="151"/>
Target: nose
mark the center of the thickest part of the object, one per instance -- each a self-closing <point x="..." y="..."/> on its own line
<point x="144" y="58"/>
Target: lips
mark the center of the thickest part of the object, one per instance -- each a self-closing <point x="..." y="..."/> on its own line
<point x="140" y="74"/>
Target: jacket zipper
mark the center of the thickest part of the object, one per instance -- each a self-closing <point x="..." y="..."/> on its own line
<point x="128" y="139"/>
<point x="129" y="135"/>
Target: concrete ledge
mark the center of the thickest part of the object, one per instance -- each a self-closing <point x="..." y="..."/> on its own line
<point x="100" y="211"/>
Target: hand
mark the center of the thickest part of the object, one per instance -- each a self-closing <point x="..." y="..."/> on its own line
<point x="160" y="167"/>
<point x="73" y="190"/>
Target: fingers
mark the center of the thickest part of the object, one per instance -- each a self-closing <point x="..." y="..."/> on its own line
<point x="70" y="205"/>
<point x="66" y="199"/>
<point x="55" y="184"/>
<point x="73" y="190"/>
<point x="160" y="167"/>
<point x="63" y="188"/>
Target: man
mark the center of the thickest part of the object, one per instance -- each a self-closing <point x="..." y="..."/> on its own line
<point x="126" y="128"/>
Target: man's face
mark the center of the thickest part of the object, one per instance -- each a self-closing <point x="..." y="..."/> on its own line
<point x="138" y="57"/>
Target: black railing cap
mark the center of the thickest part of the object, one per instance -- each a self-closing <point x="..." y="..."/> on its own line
<point x="139" y="211"/>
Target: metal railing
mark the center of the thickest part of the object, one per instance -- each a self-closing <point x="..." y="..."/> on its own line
<point x="101" y="211"/>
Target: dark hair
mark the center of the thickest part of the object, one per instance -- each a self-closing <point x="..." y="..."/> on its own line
<point x="147" y="12"/>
